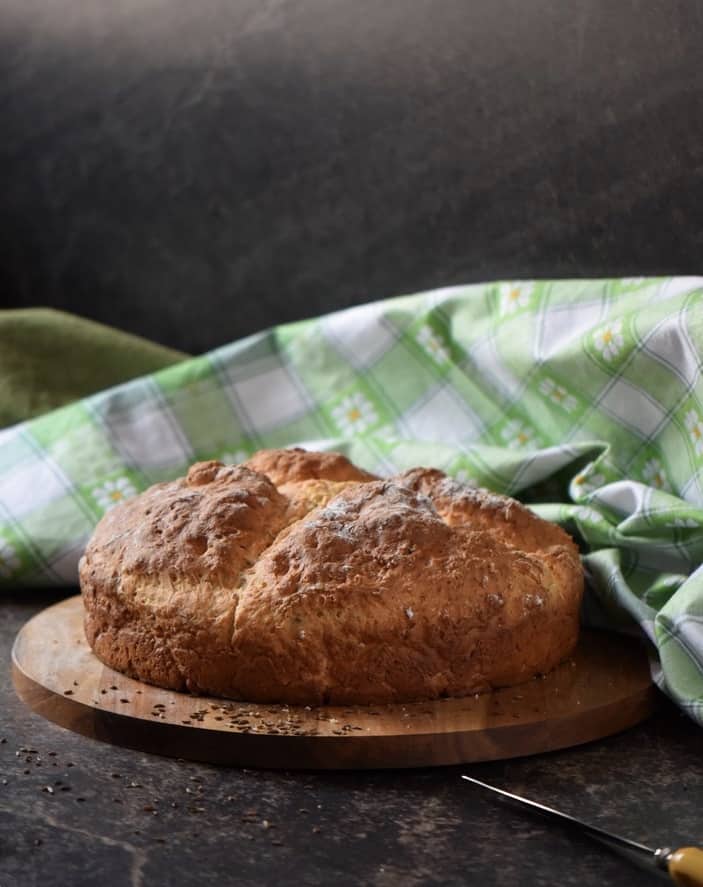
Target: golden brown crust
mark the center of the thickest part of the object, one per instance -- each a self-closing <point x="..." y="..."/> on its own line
<point x="284" y="466"/>
<point x="304" y="495"/>
<point x="459" y="503"/>
<point x="326" y="589"/>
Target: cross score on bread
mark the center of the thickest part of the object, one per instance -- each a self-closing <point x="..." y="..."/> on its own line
<point x="298" y="577"/>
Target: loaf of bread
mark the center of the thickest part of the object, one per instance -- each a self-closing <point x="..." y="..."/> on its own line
<point x="299" y="578"/>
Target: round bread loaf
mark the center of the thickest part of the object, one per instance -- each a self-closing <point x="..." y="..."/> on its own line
<point x="299" y="578"/>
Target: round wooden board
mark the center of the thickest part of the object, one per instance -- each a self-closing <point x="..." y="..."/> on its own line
<point x="604" y="688"/>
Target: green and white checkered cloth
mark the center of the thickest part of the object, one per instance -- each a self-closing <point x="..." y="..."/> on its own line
<point x="583" y="398"/>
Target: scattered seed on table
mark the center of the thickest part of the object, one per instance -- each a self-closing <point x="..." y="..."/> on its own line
<point x="80" y="800"/>
<point x="37" y="842"/>
<point x="68" y="692"/>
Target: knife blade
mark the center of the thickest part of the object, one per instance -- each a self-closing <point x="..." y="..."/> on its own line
<point x="685" y="865"/>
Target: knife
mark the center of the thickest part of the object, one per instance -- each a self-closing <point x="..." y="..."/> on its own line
<point x="685" y="865"/>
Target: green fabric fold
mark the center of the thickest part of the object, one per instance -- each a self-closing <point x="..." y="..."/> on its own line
<point x="49" y="358"/>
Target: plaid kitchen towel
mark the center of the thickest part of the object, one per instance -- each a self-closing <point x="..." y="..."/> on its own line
<point x="584" y="398"/>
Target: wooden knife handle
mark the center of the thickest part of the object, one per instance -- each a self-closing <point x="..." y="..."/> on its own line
<point x="686" y="867"/>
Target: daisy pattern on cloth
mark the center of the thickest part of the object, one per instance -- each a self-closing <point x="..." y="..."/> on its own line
<point x="608" y="340"/>
<point x="514" y="295"/>
<point x="695" y="429"/>
<point x="354" y="414"/>
<point x="653" y="472"/>
<point x="586" y="482"/>
<point x="518" y="434"/>
<point x="558" y="394"/>
<point x="9" y="562"/>
<point x="112" y="492"/>
<point x="432" y="344"/>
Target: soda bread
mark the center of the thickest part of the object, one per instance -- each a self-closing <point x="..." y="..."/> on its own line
<point x="297" y="577"/>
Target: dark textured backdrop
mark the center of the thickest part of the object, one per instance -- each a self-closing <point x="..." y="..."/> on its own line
<point x="194" y="171"/>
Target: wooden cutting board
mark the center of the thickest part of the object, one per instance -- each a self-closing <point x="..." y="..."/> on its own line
<point x="604" y="688"/>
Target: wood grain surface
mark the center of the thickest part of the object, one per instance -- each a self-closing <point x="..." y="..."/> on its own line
<point x="604" y="688"/>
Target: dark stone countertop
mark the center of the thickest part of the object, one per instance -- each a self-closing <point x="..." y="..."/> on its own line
<point x="209" y="824"/>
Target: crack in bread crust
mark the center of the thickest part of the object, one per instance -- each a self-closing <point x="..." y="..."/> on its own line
<point x="299" y="578"/>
